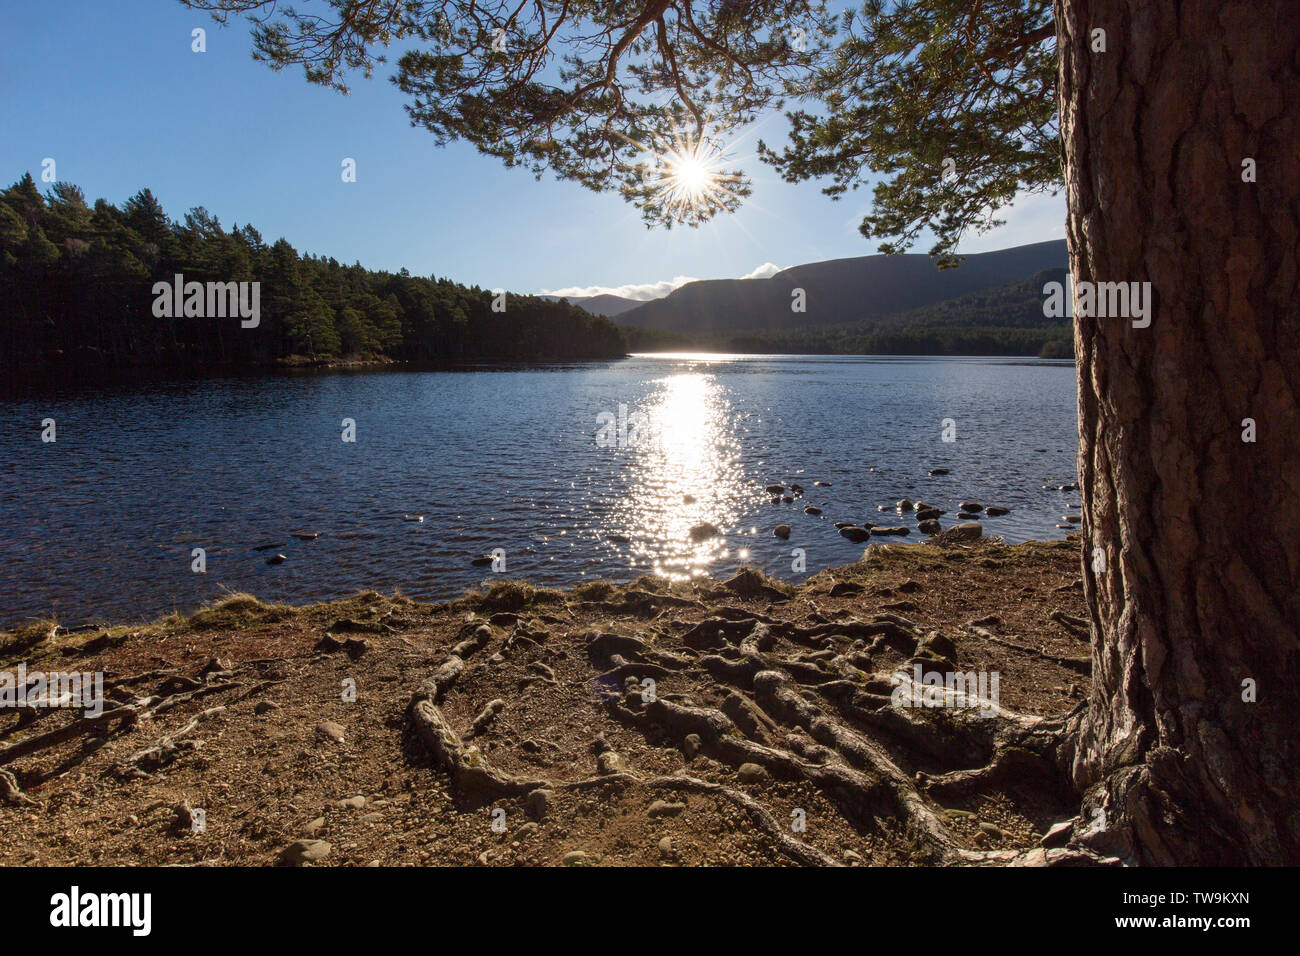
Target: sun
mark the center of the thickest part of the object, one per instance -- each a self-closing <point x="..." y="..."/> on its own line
<point x="689" y="181"/>
<point x="690" y="175"/>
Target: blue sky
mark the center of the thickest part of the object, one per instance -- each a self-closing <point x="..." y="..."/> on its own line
<point x="114" y="94"/>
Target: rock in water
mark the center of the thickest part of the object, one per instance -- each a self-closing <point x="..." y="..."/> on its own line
<point x="855" y="534"/>
<point x="904" y="505"/>
<point x="276" y="559"/>
<point x="775" y="489"/>
<point x="782" y="531"/>
<point x="993" y="511"/>
<point x="966" y="531"/>
<point x="930" y="526"/>
<point x="891" y="530"/>
<point x="938" y="471"/>
<point x="812" y="510"/>
<point x="704" y="531"/>
<point x="971" y="506"/>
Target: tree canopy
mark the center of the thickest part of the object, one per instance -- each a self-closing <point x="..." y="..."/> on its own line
<point x="950" y="102"/>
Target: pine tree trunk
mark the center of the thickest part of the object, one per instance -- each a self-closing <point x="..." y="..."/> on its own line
<point x="1198" y="529"/>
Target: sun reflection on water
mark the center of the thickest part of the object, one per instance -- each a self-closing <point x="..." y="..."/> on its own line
<point x="687" y="472"/>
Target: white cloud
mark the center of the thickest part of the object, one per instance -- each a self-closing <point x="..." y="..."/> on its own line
<point x="641" y="292"/>
<point x="645" y="291"/>
<point x="765" y="271"/>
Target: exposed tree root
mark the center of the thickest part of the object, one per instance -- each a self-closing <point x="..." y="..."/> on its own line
<point x="822" y="716"/>
<point x="1082" y="665"/>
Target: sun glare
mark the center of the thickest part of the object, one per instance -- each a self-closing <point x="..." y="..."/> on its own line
<point x="691" y="177"/>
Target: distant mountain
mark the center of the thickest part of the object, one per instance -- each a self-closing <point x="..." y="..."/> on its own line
<point x="606" y="304"/>
<point x="1004" y="320"/>
<point x="836" y="292"/>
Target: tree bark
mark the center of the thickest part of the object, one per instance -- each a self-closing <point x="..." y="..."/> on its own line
<point x="1199" y="530"/>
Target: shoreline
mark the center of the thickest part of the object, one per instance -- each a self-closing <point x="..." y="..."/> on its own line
<point x="241" y="710"/>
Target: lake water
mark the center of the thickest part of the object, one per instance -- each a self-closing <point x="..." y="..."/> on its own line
<point x="100" y="524"/>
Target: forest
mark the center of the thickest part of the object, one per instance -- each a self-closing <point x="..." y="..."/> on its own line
<point x="76" y="299"/>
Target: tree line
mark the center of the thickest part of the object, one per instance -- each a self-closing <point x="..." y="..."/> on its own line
<point x="76" y="297"/>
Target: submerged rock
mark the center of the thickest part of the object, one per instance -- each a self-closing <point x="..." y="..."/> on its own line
<point x="891" y="530"/>
<point x="994" y="511"/>
<point x="276" y="559"/>
<point x="704" y="531"/>
<point x="774" y="489"/>
<point x="938" y="471"/>
<point x="971" y="506"/>
<point x="812" y="510"/>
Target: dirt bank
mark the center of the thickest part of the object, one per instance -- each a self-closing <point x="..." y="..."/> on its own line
<point x="771" y="733"/>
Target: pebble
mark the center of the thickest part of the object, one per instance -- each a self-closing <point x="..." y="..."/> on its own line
<point x="304" y="851"/>
<point x="609" y="762"/>
<point x="314" y="827"/>
<point x="265" y="707"/>
<point x="751" y="773"/>
<point x="352" y="803"/>
<point x="575" y="858"/>
<point x="538" y="802"/>
<point x="662" y="808"/>
<point x="330" y="731"/>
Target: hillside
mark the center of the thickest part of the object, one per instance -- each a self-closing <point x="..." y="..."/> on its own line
<point x="838" y="292"/>
<point x="1004" y="320"/>
<point x="605" y="304"/>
